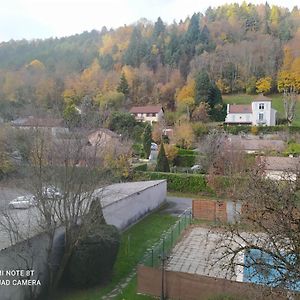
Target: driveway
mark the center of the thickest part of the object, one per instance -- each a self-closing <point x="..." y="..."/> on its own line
<point x="177" y="205"/>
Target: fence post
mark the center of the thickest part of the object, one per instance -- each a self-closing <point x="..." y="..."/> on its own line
<point x="152" y="257"/>
<point x="179" y="226"/>
<point x="171" y="236"/>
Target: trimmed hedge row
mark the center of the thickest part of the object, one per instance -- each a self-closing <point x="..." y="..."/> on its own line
<point x="177" y="182"/>
<point x="185" y="160"/>
<point x="142" y="167"/>
<point x="182" y="151"/>
<point x="236" y="129"/>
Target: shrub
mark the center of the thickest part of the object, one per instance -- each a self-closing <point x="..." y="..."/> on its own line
<point x="185" y="160"/>
<point x="185" y="151"/>
<point x="142" y="167"/>
<point x="254" y="130"/>
<point x="94" y="256"/>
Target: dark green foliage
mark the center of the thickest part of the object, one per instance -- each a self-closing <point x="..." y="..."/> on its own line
<point x="122" y="123"/>
<point x="136" y="50"/>
<point x="123" y="86"/>
<point x="185" y="160"/>
<point x="72" y="116"/>
<point x="178" y="182"/>
<point x="162" y="161"/>
<point x="142" y="167"/>
<point x="147" y="139"/>
<point x="202" y="87"/>
<point x="94" y="256"/>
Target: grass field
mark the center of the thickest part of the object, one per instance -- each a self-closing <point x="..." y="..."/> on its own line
<point x="135" y="241"/>
<point x="277" y="103"/>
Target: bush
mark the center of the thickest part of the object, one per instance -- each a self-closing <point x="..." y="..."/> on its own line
<point x="142" y="167"/>
<point x="177" y="182"/>
<point x="185" y="152"/>
<point x="94" y="256"/>
<point x="185" y="160"/>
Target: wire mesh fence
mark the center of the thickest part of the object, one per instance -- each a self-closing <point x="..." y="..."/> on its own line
<point x="168" y="239"/>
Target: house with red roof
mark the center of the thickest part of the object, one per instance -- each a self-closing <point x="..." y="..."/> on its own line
<point x="149" y="113"/>
<point x="259" y="112"/>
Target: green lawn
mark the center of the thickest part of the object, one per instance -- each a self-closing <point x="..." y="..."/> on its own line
<point x="135" y="241"/>
<point x="277" y="103"/>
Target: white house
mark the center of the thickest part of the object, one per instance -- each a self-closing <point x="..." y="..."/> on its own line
<point x="259" y="112"/>
<point x="149" y="113"/>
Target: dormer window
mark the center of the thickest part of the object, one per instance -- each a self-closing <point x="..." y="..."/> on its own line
<point x="261" y="106"/>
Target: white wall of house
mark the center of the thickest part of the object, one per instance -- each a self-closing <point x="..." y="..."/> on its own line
<point x="150" y="117"/>
<point x="239" y="118"/>
<point x="262" y="113"/>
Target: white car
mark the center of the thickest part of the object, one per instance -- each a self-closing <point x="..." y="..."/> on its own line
<point x="22" y="202"/>
<point x="51" y="192"/>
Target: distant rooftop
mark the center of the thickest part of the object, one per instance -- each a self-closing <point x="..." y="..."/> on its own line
<point x="38" y="122"/>
<point x="274" y="163"/>
<point x="146" y="109"/>
<point x="240" y="108"/>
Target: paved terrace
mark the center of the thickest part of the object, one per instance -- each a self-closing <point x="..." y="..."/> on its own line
<point x="196" y="253"/>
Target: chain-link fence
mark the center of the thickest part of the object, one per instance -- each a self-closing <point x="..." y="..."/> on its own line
<point x="169" y="238"/>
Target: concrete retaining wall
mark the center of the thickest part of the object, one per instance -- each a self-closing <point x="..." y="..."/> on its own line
<point x="130" y="209"/>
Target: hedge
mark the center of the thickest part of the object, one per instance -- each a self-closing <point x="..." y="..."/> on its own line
<point x="185" y="160"/>
<point x="182" y="151"/>
<point x="236" y="129"/>
<point x="177" y="182"/>
<point x="142" y="167"/>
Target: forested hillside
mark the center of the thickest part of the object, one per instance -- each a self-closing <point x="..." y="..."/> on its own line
<point x="232" y="48"/>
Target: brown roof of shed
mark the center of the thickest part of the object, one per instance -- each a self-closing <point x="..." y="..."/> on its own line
<point x="261" y="97"/>
<point x="146" y="109"/>
<point x="275" y="163"/>
<point x="240" y="108"/>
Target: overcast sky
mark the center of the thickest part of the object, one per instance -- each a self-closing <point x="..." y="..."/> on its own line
<point x="50" y="18"/>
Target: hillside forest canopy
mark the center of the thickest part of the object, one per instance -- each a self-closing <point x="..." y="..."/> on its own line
<point x="184" y="66"/>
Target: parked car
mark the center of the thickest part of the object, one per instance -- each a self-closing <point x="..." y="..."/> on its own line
<point x="51" y="192"/>
<point x="22" y="202"/>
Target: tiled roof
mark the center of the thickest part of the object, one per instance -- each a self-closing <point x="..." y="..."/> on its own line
<point x="261" y="97"/>
<point x="39" y="122"/>
<point x="145" y="109"/>
<point x="240" y="108"/>
<point x="275" y="163"/>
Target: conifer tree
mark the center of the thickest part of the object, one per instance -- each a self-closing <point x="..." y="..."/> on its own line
<point x="162" y="161"/>
<point x="123" y="86"/>
<point x="147" y="139"/>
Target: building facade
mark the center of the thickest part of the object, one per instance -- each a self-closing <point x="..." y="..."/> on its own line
<point x="149" y="113"/>
<point x="259" y="112"/>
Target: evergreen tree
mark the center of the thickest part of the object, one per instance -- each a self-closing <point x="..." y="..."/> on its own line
<point x="123" y="86"/>
<point x="147" y="139"/>
<point x="162" y="161"/>
<point x="202" y="87"/>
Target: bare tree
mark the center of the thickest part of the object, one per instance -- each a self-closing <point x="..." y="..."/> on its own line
<point x="266" y="235"/>
<point x="289" y="104"/>
<point x="67" y="178"/>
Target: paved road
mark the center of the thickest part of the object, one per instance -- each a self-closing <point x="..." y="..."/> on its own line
<point x="177" y="205"/>
<point x="9" y="193"/>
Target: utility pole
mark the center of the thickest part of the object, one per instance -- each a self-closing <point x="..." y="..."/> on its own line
<point x="163" y="259"/>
